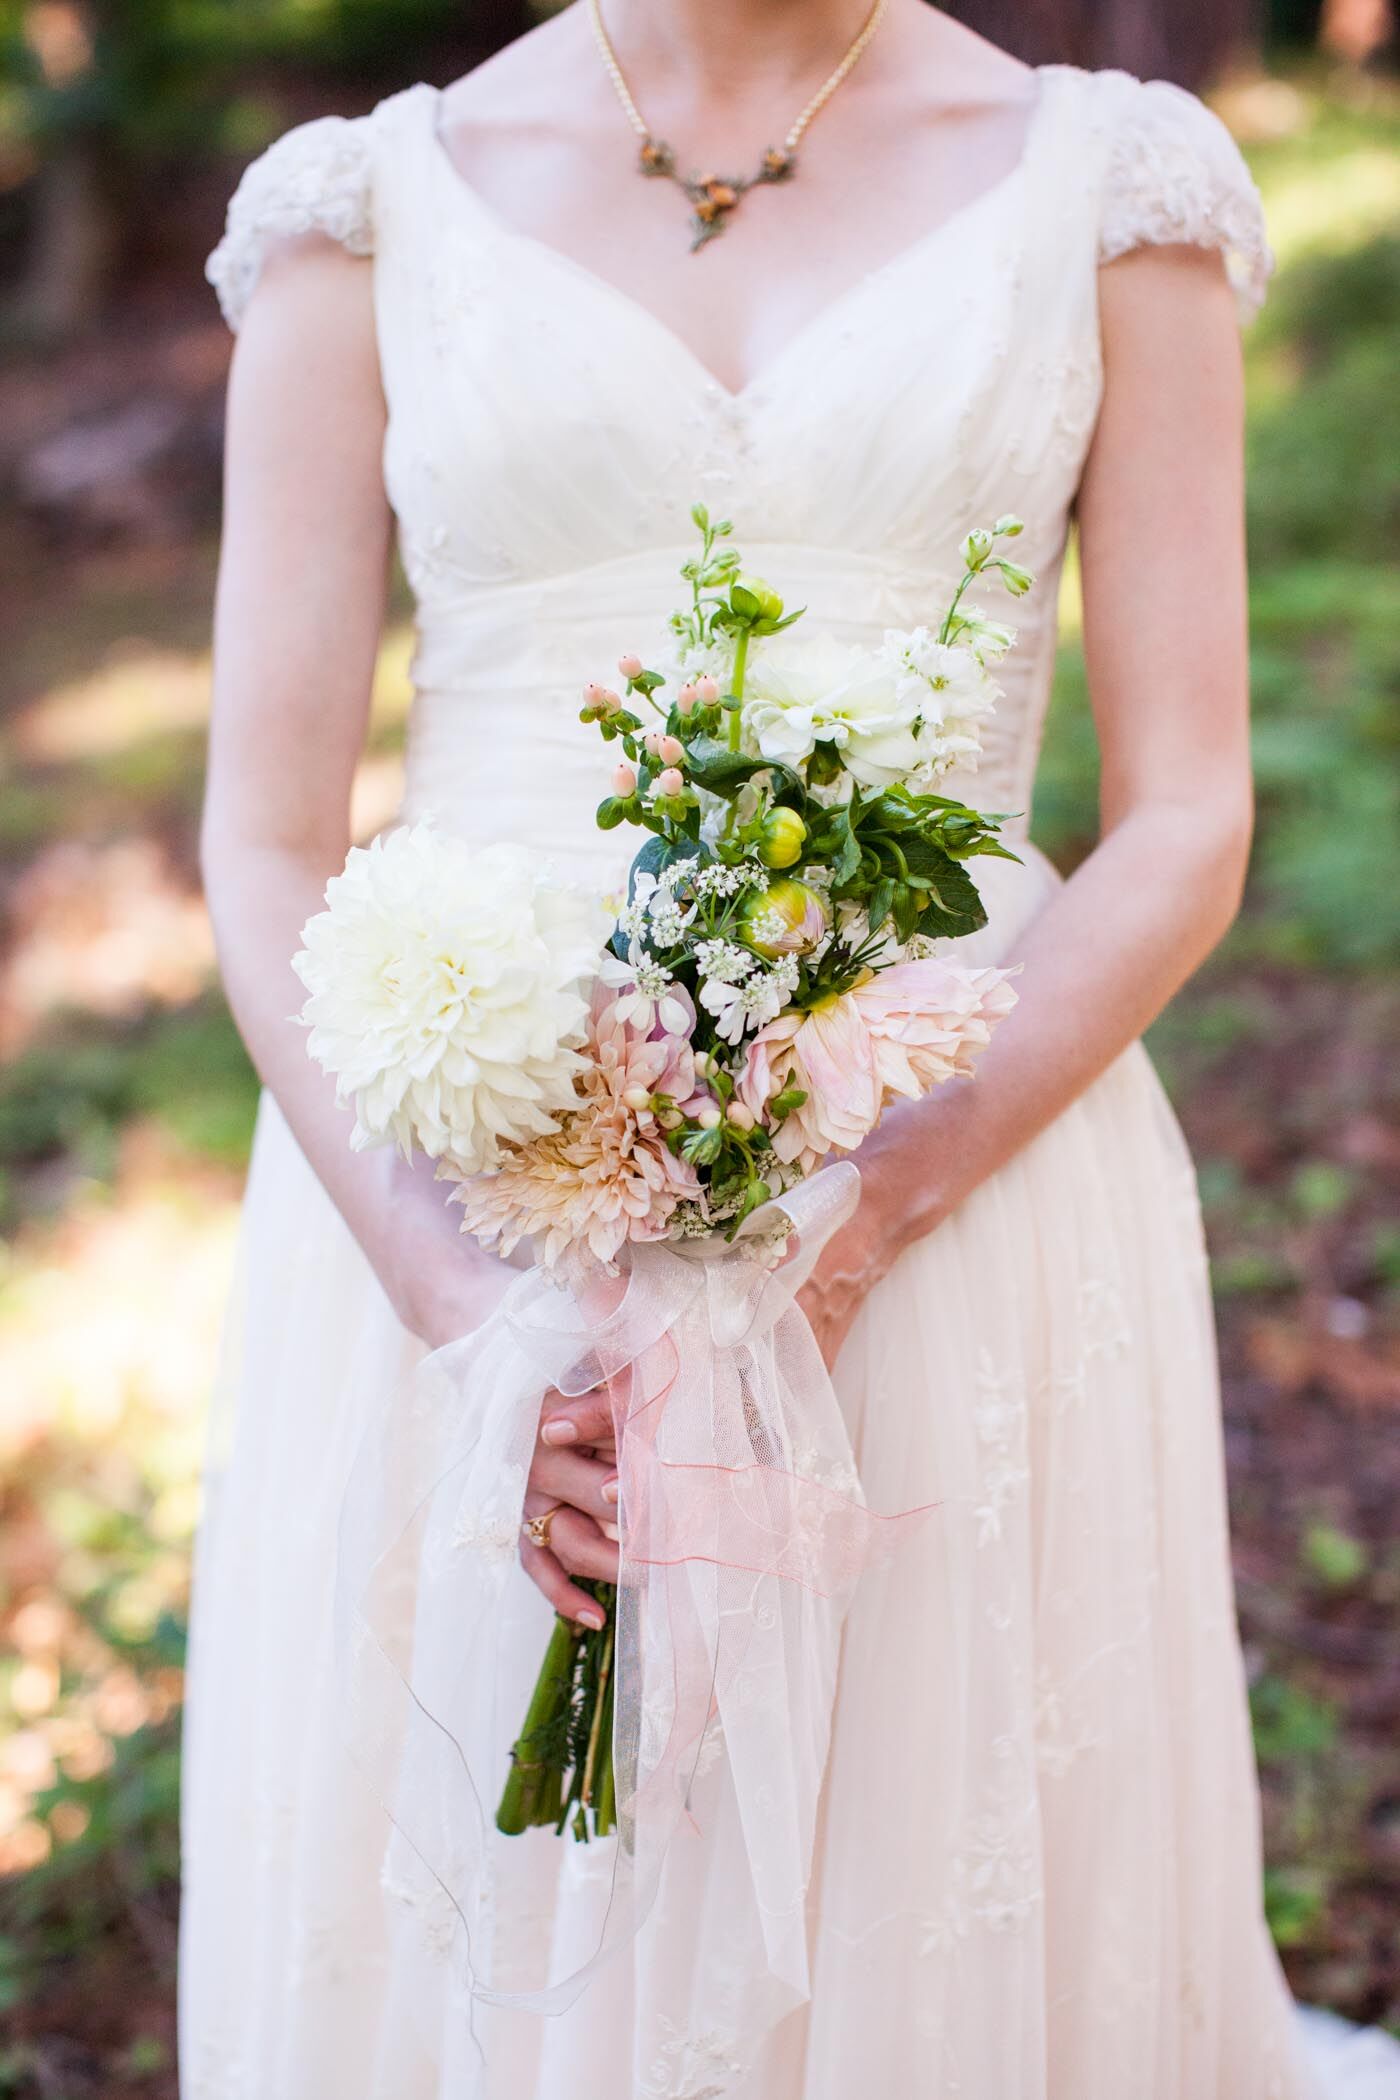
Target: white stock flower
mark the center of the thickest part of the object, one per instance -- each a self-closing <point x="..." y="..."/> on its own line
<point x="988" y="639"/>
<point x="949" y="689"/>
<point x="448" y="989"/>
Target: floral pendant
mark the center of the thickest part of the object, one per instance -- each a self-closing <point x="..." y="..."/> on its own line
<point x="713" y="198"/>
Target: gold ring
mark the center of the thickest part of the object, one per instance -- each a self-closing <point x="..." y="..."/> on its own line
<point x="536" y="1529"/>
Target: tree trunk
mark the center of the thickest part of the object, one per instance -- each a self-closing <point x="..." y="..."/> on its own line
<point x="73" y="244"/>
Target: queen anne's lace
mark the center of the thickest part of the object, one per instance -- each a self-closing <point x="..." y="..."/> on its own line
<point x="1175" y="174"/>
<point x="315" y="179"/>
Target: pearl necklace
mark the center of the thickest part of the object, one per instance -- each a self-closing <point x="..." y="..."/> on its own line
<point x="714" y="198"/>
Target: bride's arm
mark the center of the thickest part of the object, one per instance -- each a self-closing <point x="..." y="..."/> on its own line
<point x="300" y="607"/>
<point x="1162" y="551"/>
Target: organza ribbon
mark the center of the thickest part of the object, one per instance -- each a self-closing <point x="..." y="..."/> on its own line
<point x="743" y="1534"/>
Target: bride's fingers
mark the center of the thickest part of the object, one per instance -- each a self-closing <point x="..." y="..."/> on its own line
<point x="554" y="1585"/>
<point x="587" y="1420"/>
<point x="571" y="1476"/>
<point x="580" y="1547"/>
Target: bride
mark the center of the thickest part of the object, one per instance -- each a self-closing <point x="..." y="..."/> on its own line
<point x="950" y="287"/>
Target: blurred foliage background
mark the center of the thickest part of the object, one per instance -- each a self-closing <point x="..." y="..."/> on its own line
<point x="126" y="1102"/>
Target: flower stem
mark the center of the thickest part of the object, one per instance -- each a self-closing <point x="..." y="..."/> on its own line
<point x="531" y="1790"/>
<point x="602" y="1715"/>
<point x="741" y="659"/>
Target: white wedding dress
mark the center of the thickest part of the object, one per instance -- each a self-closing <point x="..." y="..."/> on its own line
<point x="1038" y="1871"/>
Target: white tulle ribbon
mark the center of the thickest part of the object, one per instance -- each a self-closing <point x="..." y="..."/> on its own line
<point x="743" y="1533"/>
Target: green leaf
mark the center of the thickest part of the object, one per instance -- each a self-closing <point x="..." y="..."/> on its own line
<point x="952" y="905"/>
<point x="908" y="908"/>
<point x="651" y="858"/>
<point x="724" y="772"/>
<point x="846" y="864"/>
<point x="757" y="1192"/>
<point x="881" y="903"/>
<point x="824" y="765"/>
<point x="703" y="1147"/>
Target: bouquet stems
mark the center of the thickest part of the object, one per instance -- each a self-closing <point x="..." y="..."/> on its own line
<point x="561" y="1771"/>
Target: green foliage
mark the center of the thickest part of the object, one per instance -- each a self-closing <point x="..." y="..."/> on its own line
<point x="127" y="1857"/>
<point x="1289" y="1723"/>
<point x="1324" y="512"/>
<point x="70" y="1094"/>
<point x="1333" y="1558"/>
<point x="165" y="74"/>
<point x="1324" y="438"/>
<point x="1294" y="1904"/>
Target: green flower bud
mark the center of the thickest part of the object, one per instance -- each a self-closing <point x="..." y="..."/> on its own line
<point x="1018" y="581"/>
<point x="755" y="602"/>
<point x="1008" y="528"/>
<point x="784" y="835"/>
<point x="976" y="547"/>
<point x="788" y="919"/>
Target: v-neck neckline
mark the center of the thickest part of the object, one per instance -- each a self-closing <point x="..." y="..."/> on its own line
<point x="830" y="310"/>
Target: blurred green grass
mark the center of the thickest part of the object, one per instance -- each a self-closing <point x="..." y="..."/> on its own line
<point x="126" y="1108"/>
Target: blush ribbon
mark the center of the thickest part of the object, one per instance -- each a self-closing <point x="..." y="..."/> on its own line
<point x="744" y="1531"/>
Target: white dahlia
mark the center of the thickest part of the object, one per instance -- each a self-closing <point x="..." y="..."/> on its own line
<point x="449" y="987"/>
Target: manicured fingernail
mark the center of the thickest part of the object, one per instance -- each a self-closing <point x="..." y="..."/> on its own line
<point x="593" y="1619"/>
<point x="610" y="1531"/>
<point x="559" y="1433"/>
<point x="611" y="1491"/>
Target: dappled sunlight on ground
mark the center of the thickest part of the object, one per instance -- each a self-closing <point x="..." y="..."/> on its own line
<point x="101" y="929"/>
<point x="108" y="1326"/>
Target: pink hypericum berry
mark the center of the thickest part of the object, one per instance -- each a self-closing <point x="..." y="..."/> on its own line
<point x="707" y="688"/>
<point x="709" y="1118"/>
<point x="629" y="665"/>
<point x="594" y="695"/>
<point x="670" y="782"/>
<point x="671" y="749"/>
<point x="624" y="780"/>
<point x="653" y="740"/>
<point x="637" y="1098"/>
<point x="742" y="1118"/>
<point x="687" y="697"/>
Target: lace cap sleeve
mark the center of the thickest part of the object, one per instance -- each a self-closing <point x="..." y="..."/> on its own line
<point x="314" y="179"/>
<point x="1175" y="174"/>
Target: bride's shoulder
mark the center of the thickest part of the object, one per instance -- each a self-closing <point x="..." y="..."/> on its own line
<point x="1168" y="173"/>
<point x="316" y="179"/>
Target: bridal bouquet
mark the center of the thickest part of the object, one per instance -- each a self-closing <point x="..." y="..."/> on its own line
<point x="594" y="1079"/>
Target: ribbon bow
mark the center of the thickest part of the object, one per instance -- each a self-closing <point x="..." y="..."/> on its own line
<point x="743" y="1532"/>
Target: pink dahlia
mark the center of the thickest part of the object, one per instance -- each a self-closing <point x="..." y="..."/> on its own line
<point x="607" y="1175"/>
<point x="929" y="1021"/>
<point x="826" y="1052"/>
<point x="900" y="1034"/>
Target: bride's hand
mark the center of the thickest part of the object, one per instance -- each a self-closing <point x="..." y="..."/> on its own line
<point x="444" y="1286"/>
<point x="853" y="1261"/>
<point x="574" y="1476"/>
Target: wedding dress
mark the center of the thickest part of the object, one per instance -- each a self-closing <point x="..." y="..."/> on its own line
<point x="1038" y="1871"/>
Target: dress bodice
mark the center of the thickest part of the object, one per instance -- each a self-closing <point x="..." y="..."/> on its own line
<point x="547" y="435"/>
